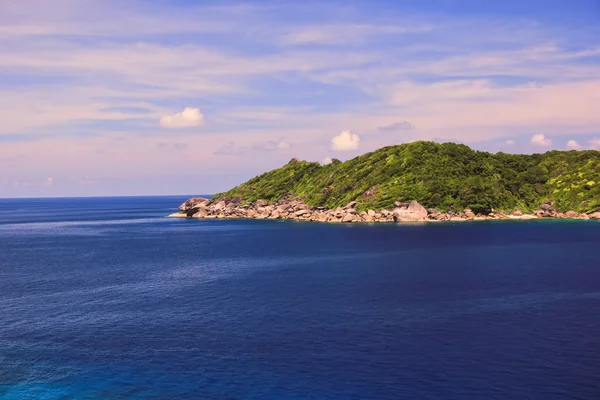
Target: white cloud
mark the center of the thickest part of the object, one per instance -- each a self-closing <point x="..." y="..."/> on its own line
<point x="510" y="142"/>
<point x="572" y="144"/>
<point x="541" y="140"/>
<point x="186" y="118"/>
<point x="345" y="141"/>
<point x="327" y="161"/>
<point x="595" y="143"/>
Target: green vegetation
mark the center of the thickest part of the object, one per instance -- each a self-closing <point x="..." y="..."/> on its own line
<point x="445" y="176"/>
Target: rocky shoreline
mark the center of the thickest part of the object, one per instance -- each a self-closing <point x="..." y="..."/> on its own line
<point x="295" y="209"/>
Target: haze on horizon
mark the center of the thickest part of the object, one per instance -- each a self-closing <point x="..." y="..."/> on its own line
<point x="181" y="97"/>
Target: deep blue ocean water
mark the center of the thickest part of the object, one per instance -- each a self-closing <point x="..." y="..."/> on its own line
<point x="107" y="299"/>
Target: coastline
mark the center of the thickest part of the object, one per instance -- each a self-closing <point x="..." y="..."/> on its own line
<point x="295" y="209"/>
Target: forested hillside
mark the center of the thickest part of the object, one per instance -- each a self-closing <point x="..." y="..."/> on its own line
<point x="445" y="176"/>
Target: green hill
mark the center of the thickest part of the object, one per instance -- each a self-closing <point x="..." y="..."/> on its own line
<point x="445" y="176"/>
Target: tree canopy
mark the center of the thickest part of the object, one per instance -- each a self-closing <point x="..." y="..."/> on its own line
<point x="446" y="176"/>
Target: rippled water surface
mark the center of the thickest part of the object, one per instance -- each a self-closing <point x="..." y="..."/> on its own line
<point x="106" y="298"/>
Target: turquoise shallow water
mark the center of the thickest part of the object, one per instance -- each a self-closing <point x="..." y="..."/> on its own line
<point x="106" y="298"/>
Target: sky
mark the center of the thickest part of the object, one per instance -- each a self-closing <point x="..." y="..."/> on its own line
<point x="103" y="98"/>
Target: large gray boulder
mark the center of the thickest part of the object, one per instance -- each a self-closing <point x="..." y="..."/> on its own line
<point x="413" y="212"/>
<point x="192" y="203"/>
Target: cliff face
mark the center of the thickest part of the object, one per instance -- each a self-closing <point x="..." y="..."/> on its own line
<point x="446" y="177"/>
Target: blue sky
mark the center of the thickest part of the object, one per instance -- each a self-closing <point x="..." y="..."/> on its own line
<point x="182" y="97"/>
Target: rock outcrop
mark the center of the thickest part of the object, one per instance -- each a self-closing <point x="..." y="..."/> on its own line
<point x="294" y="209"/>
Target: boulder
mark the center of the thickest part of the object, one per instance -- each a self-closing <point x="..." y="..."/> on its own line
<point x="200" y="214"/>
<point x="371" y="213"/>
<point x="417" y="209"/>
<point x="469" y="214"/>
<point x="432" y="212"/>
<point x="348" y="218"/>
<point x="352" y="204"/>
<point x="571" y="214"/>
<point x="220" y="205"/>
<point x="322" y="217"/>
<point x="301" y="213"/>
<point x="261" y="203"/>
<point x="595" y="215"/>
<point x="517" y="213"/>
<point x="192" y="203"/>
<point x="413" y="212"/>
<point x="275" y="215"/>
<point x="282" y="208"/>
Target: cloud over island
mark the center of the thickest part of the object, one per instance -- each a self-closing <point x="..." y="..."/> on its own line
<point x="345" y="141"/>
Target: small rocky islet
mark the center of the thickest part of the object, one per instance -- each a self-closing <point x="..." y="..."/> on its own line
<point x="418" y="181"/>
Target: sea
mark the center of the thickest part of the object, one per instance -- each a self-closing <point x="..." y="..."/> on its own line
<point x="106" y="298"/>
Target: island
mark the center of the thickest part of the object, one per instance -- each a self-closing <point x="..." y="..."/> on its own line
<point x="418" y="181"/>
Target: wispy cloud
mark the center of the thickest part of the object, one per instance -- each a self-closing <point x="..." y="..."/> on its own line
<point x="397" y="126"/>
<point x="347" y="34"/>
<point x="95" y="85"/>
<point x="174" y="146"/>
<point x="272" y="145"/>
<point x="232" y="148"/>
